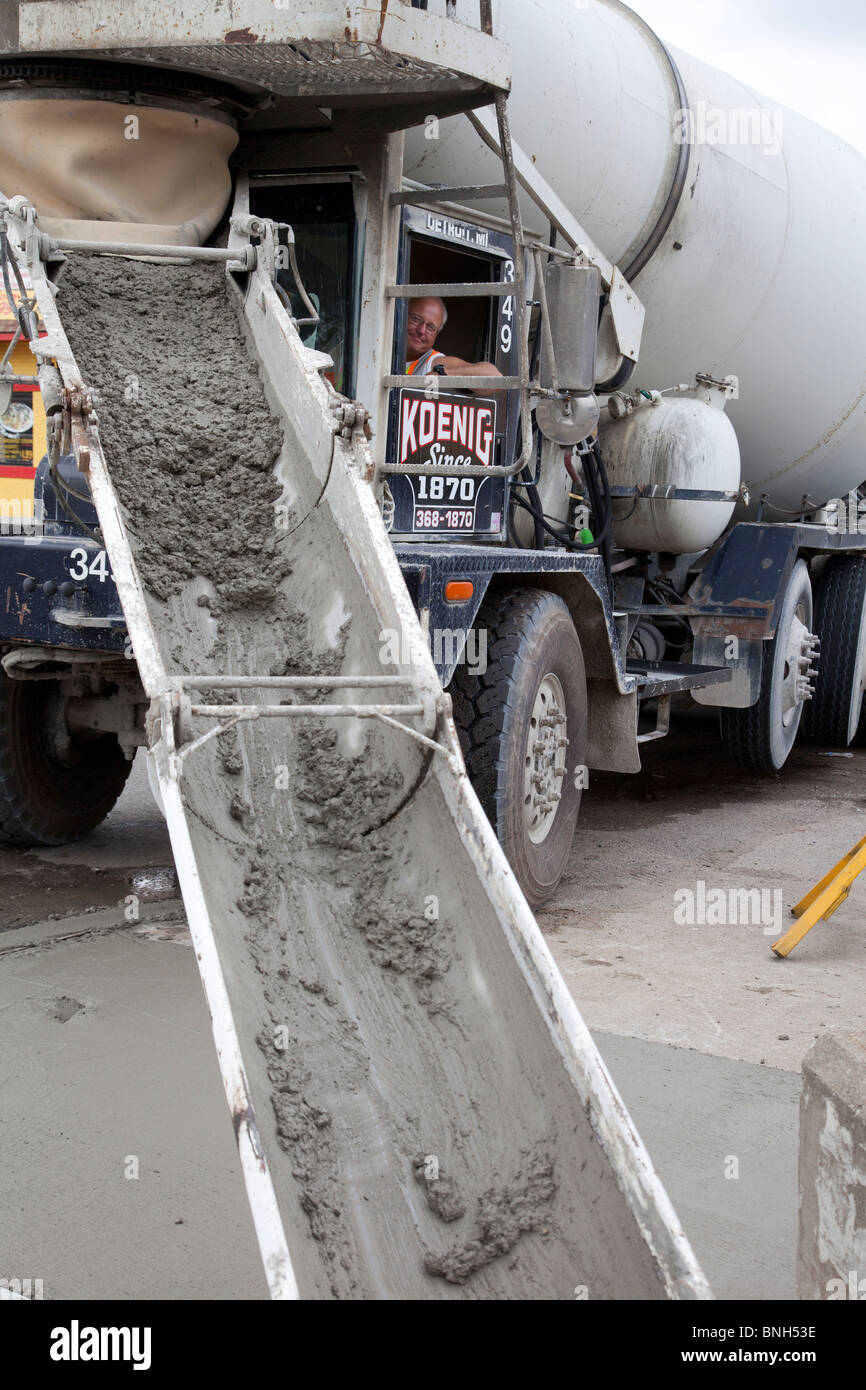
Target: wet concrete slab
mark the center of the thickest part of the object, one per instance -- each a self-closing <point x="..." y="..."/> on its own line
<point x="119" y="1176"/>
<point x="724" y="1137"/>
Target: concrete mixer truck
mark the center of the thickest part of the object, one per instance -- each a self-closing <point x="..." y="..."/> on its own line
<point x="649" y="499"/>
<point x="320" y="590"/>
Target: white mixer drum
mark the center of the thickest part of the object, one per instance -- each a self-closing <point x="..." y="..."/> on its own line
<point x="739" y="223"/>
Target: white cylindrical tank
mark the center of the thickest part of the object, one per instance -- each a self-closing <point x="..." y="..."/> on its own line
<point x="760" y="271"/>
<point x="680" y="441"/>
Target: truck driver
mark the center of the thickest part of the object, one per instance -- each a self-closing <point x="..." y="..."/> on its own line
<point x="427" y="318"/>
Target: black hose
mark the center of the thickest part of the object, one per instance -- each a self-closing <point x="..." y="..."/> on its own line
<point x="598" y="487"/>
<point x="607" y="513"/>
<point x="539" y="534"/>
<point x="599" y="493"/>
<point x="524" y="480"/>
<point x="619" y="379"/>
<point x="551" y="531"/>
<point x="543" y="524"/>
<point x="59" y="489"/>
<point x="600" y="507"/>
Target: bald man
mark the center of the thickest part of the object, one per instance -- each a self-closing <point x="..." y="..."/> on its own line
<point x="427" y="318"/>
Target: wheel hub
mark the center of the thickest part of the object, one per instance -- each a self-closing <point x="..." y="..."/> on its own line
<point x="544" y="759"/>
<point x="800" y="668"/>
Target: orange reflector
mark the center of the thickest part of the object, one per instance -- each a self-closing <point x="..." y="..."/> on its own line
<point x="458" y="590"/>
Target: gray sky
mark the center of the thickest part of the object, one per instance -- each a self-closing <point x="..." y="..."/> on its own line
<point x="807" y="54"/>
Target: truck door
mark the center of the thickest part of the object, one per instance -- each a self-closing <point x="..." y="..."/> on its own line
<point x="427" y="423"/>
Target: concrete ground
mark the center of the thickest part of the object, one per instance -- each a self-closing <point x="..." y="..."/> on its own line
<point x="119" y="1175"/>
<point x="702" y="1027"/>
<point x="118" y="1172"/>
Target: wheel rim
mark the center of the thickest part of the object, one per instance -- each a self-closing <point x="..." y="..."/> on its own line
<point x="793" y="673"/>
<point x="859" y="679"/>
<point x="795" y="680"/>
<point x="544" y="759"/>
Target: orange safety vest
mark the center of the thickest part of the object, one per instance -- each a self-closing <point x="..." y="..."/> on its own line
<point x="423" y="365"/>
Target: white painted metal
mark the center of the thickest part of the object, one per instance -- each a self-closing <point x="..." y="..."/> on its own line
<point x="271" y="1237"/>
<point x="792" y="656"/>
<point x="358" y="518"/>
<point x="757" y="274"/>
<point x="627" y="312"/>
<point x="679" y="441"/>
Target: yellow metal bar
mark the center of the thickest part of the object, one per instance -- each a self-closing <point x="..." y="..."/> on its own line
<point x="822" y="901"/>
<point x="810" y="897"/>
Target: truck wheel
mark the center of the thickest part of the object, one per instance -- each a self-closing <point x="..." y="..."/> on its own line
<point x="52" y="790"/>
<point x="833" y="716"/>
<point x="761" y="738"/>
<point x="522" y="727"/>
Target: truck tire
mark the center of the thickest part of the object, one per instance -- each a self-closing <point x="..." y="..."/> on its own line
<point x="518" y="764"/>
<point x="761" y="738"/>
<point x="834" y="715"/>
<point x="47" y="798"/>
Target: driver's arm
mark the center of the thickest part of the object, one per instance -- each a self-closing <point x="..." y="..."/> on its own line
<point x="455" y="366"/>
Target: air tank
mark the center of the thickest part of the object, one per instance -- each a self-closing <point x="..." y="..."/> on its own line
<point x="681" y="441"/>
<point x="739" y="223"/>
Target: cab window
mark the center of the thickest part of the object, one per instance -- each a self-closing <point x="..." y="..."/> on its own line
<point x="323" y="219"/>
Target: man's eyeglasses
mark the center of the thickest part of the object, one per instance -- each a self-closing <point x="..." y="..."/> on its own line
<point x="423" y="325"/>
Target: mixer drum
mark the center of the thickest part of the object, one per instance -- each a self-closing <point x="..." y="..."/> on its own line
<point x="739" y="223"/>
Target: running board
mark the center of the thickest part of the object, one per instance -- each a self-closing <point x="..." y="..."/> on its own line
<point x="668" y="677"/>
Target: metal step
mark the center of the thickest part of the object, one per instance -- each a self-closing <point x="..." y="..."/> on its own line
<point x="667" y="677"/>
<point x="458" y="383"/>
<point x="467" y="193"/>
<point x="490" y="289"/>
